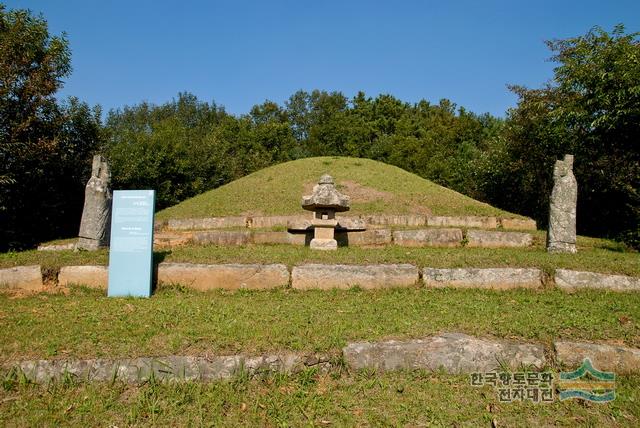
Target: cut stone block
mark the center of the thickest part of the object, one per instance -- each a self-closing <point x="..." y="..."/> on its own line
<point x="271" y="221"/>
<point x="396" y="220"/>
<point x="228" y="276"/>
<point x="172" y="239"/>
<point x="22" y="277"/>
<point x="518" y="224"/>
<point x="317" y="276"/>
<point x="451" y="352"/>
<point x="572" y="280"/>
<point x="91" y="276"/>
<point x="428" y="238"/>
<point x="169" y="368"/>
<point x="206" y="223"/>
<point x="610" y="358"/>
<point x="366" y="238"/>
<point x="493" y="278"/>
<point x="493" y="239"/>
<point x="222" y="237"/>
<point x="463" y="221"/>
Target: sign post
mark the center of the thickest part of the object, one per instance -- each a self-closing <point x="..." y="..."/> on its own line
<point x="131" y="249"/>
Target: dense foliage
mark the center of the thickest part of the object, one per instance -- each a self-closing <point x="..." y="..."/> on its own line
<point x="45" y="146"/>
<point x="187" y="146"/>
<point x="590" y="109"/>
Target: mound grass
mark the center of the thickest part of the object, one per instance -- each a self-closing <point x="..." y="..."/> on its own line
<point x="374" y="188"/>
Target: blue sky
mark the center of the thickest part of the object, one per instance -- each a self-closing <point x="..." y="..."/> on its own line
<point x="240" y="53"/>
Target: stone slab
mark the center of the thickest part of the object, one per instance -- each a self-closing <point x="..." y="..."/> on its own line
<point x="224" y="276"/>
<point x="170" y="368"/>
<point x="396" y="220"/>
<point x="222" y="237"/>
<point x="428" y="238"/>
<point x="271" y="238"/>
<point x="518" y="224"/>
<point x="493" y="278"/>
<point x="610" y="358"/>
<point x="366" y="238"/>
<point x="57" y="247"/>
<point x="494" y="239"/>
<point x="272" y="221"/>
<point x="172" y="239"/>
<point x="572" y="280"/>
<point x="318" y="276"/>
<point x="451" y="352"/>
<point x="91" y="276"/>
<point x="206" y="223"/>
<point x="22" y="277"/>
<point x="463" y="221"/>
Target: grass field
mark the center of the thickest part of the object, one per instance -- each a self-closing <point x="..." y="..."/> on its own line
<point x="595" y="255"/>
<point x="308" y="399"/>
<point x="374" y="187"/>
<point x="177" y="321"/>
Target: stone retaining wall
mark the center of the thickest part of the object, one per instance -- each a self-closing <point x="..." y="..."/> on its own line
<point x="91" y="276"/>
<point x="22" y="277"/>
<point x="494" y="278"/>
<point x="434" y="237"/>
<point x="453" y="353"/>
<point x="355" y="221"/>
<point x="324" y="277"/>
<point x="492" y="239"/>
<point x="572" y="280"/>
<point x="227" y="276"/>
<point x="428" y="238"/>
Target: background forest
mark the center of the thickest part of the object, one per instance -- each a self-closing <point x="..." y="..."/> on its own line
<point x="591" y="108"/>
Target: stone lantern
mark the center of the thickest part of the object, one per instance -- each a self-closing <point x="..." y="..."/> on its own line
<point x="325" y="202"/>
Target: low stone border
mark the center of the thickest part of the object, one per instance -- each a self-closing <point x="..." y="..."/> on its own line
<point x="572" y="280"/>
<point x="494" y="278"/>
<point x="349" y="221"/>
<point x="493" y="239"/>
<point x="91" y="276"/>
<point x="323" y="277"/>
<point x="618" y="359"/>
<point x="428" y="238"/>
<point x="22" y="277"/>
<point x="176" y="368"/>
<point x="435" y="237"/>
<point x="224" y="276"/>
<point x="57" y="247"/>
<point x="451" y="352"/>
<point x="454" y="353"/>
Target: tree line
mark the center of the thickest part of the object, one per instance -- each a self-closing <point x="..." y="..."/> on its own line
<point x="187" y="146"/>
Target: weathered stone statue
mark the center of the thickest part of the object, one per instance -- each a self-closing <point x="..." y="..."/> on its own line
<point x="561" y="237"/>
<point x="325" y="202"/>
<point x="96" y="215"/>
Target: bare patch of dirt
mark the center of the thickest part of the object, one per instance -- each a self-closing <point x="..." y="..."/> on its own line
<point x="356" y="191"/>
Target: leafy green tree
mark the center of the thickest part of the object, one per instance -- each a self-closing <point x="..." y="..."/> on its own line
<point x="590" y="109"/>
<point x="45" y="148"/>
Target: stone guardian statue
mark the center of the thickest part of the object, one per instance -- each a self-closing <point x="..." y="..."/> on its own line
<point x="96" y="215"/>
<point x="561" y="237"/>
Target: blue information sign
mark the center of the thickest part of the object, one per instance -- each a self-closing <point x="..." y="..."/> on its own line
<point x="131" y="248"/>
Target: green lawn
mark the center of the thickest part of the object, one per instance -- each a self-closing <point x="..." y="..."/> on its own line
<point x="374" y="188"/>
<point x="308" y="399"/>
<point x="595" y="255"/>
<point x="177" y="321"/>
